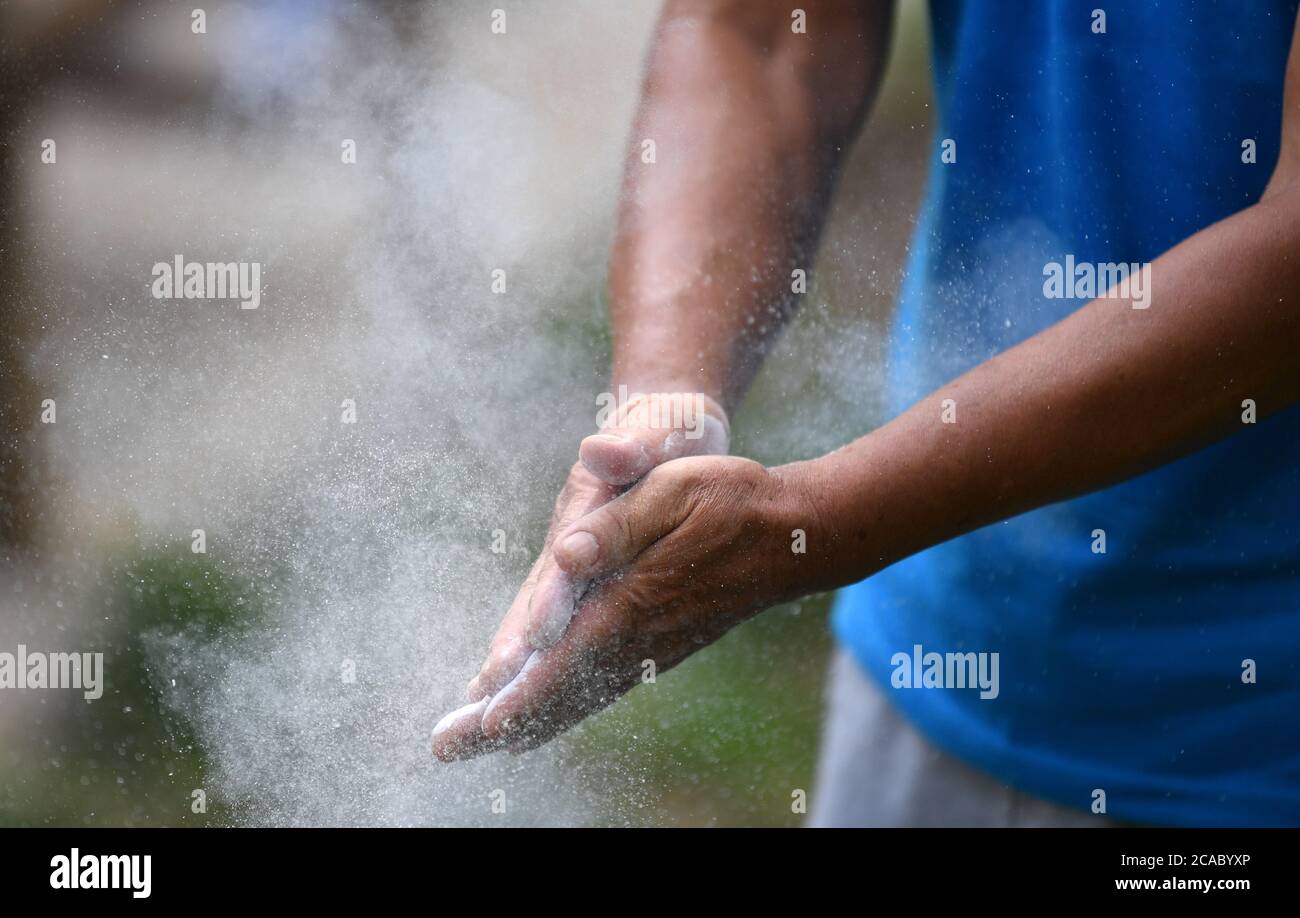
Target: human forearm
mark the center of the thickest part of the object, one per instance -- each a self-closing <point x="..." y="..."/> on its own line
<point x="701" y="544"/>
<point x="749" y="121"/>
<point x="1106" y="394"/>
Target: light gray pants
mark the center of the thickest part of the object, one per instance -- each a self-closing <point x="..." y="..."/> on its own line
<point x="876" y="769"/>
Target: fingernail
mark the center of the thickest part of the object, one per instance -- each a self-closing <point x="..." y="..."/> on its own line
<point x="581" y="549"/>
<point x="614" y="439"/>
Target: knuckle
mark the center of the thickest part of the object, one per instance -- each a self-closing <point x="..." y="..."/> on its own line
<point x="676" y="476"/>
<point x="623" y="529"/>
<point x="503" y="649"/>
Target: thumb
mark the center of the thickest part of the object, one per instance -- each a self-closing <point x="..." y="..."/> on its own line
<point x="610" y="536"/>
<point x="653" y="429"/>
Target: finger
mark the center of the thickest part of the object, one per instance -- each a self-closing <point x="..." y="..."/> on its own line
<point x="558" y="711"/>
<point x="598" y="661"/>
<point x="460" y="735"/>
<point x="543" y="606"/>
<point x="557" y="716"/>
<point x="609" y="537"/>
<point x="564" y="676"/>
<point x="551" y="607"/>
<point x="555" y="599"/>
<point x="509" y="648"/>
<point x="654" y="430"/>
<point x="503" y="661"/>
<point x="494" y="723"/>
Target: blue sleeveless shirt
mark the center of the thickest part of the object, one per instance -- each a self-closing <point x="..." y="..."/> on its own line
<point x="1121" y="671"/>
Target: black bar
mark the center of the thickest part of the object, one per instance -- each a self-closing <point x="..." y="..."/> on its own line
<point x="647" y="868"/>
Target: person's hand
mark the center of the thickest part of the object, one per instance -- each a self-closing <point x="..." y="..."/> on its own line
<point x="645" y="432"/>
<point x="697" y="546"/>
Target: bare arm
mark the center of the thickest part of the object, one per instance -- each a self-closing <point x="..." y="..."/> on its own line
<point x="700" y="544"/>
<point x="749" y="121"/>
<point x="1105" y="394"/>
<point x="749" y="118"/>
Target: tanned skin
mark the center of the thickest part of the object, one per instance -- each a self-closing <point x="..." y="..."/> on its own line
<point x="750" y="123"/>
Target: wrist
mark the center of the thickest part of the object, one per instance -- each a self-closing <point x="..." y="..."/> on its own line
<point x="654" y="356"/>
<point x="844" y="531"/>
<point x="657" y="379"/>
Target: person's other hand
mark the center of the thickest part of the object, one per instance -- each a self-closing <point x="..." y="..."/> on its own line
<point x="693" y="549"/>
<point x="647" y="431"/>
